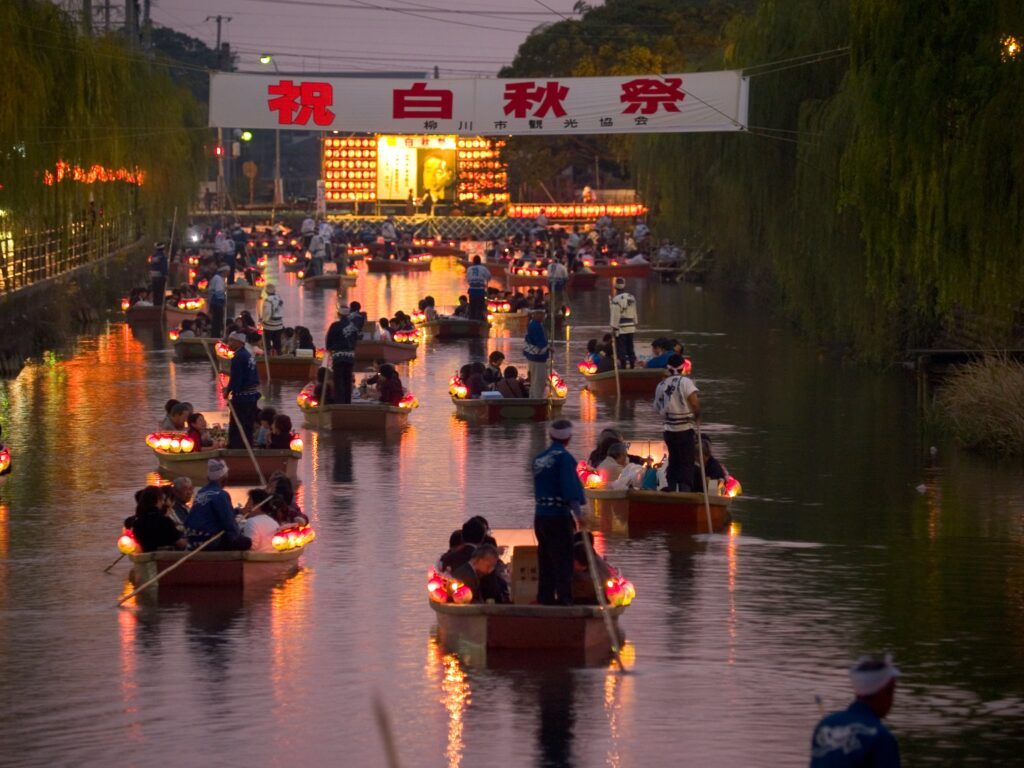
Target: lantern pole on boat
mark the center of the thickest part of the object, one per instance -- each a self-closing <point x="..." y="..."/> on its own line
<point x="704" y="477"/>
<point x="163" y="573"/>
<point x="602" y="602"/>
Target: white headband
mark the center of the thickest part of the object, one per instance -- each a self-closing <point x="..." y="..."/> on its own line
<point x="874" y="678"/>
<point x="216" y="469"/>
<point x="564" y="433"/>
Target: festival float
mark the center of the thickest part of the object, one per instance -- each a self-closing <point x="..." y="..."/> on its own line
<point x="242" y="571"/>
<point x="449" y="327"/>
<point x="476" y="629"/>
<point x="360" y="415"/>
<point x="185" y="309"/>
<point x="418" y="262"/>
<point x="402" y="348"/>
<point x="178" y="456"/>
<point x="491" y="410"/>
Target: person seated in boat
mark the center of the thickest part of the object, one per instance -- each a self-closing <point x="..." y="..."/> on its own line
<point x="497" y="585"/>
<point x="281" y="485"/>
<point x="263" y="513"/>
<point x="152" y="526"/>
<point x="186" y="330"/>
<point x="264" y="424"/>
<point x="288" y="341"/>
<point x="404" y="322"/>
<point x="476" y="383"/>
<point x="303" y="338"/>
<point x="212" y="514"/>
<point x="390" y="390"/>
<point x="167" y="413"/>
<point x="494" y="363"/>
<point x="660" y="353"/>
<point x="473" y="533"/>
<point x="181" y="495"/>
<point x="582" y="580"/>
<point x="462" y="310"/>
<point x="614" y="462"/>
<point x="281" y="433"/>
<point x="510" y="385"/>
<point x="197" y="432"/>
<point x="176" y="419"/>
<point x="247" y="323"/>
<point x="481" y="564"/>
<point x="454" y="543"/>
<point x="519" y="302"/>
<point x="714" y="470"/>
<point x="605" y="440"/>
<point x="202" y="325"/>
<point x="381" y="330"/>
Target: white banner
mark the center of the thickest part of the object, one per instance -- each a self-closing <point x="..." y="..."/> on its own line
<point x="699" y="101"/>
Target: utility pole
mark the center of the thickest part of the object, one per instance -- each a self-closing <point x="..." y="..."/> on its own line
<point x="87" y="17"/>
<point x="106" y="16"/>
<point x="147" y="26"/>
<point x="130" y="23"/>
<point x="221" y="186"/>
<point x="218" y="18"/>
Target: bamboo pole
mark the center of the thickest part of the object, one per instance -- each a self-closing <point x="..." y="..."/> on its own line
<point x="613" y="635"/>
<point x="163" y="573"/>
<point x="107" y="569"/>
<point x="704" y="478"/>
<point x="231" y="409"/>
<point x="615" y="355"/>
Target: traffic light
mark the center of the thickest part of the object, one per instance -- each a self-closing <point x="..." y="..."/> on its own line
<point x="218" y="151"/>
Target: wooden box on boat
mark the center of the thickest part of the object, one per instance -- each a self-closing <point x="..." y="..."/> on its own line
<point x="390" y="351"/>
<point x="493" y="410"/>
<point x="476" y="628"/>
<point x="357" y="416"/>
<point x="239" y="570"/>
<point x="638" y="509"/>
<point x="457" y="328"/>
<point x="143" y="314"/>
<point x="386" y="266"/>
<point x="610" y="272"/>
<point x="193" y="348"/>
<point x="633" y="381"/>
<point x="240" y="466"/>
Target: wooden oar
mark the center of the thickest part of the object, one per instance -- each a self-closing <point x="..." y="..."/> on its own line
<point x="613" y="635"/>
<point x="704" y="478"/>
<point x="163" y="573"/>
<point x="380" y="714"/>
<point x="107" y="569"/>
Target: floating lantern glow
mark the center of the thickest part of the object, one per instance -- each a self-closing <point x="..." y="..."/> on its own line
<point x="409" y="401"/>
<point x="125" y="305"/>
<point x="296" y="444"/>
<point x="731" y="487"/>
<point x="126" y="543"/>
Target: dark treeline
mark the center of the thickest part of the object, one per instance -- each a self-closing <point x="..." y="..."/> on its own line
<point x="877" y="195"/>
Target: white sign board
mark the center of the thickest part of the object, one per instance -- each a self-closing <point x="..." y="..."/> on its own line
<point x="693" y="102"/>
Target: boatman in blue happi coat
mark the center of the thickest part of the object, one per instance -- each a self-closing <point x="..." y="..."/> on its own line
<point x="855" y="737"/>
<point x="477" y="276"/>
<point x="558" y="495"/>
<point x="158" y="273"/>
<point x="244" y="390"/>
<point x="212" y="513"/>
<point x="536" y="351"/>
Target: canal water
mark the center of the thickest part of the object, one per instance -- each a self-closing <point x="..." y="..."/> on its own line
<point x="853" y="536"/>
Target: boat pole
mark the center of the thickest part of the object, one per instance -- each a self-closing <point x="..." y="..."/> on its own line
<point x="704" y="478"/>
<point x="615" y="356"/>
<point x="213" y="364"/>
<point x="380" y="714"/>
<point x="163" y="573"/>
<point x="170" y="251"/>
<point x="602" y="602"/>
<point x="248" y="446"/>
<point x="107" y="569"/>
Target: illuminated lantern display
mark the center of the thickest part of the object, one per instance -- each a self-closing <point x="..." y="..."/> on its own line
<point x="223" y="350"/>
<point x="687" y="366"/>
<point x="187" y="444"/>
<point x="436" y="587"/>
<point x="174" y="333"/>
<point x="300" y="274"/>
<point x="558" y="385"/>
<point x="419" y="316"/>
<point x="352" y="271"/>
<point x="461" y="594"/>
<point x="419" y="258"/>
<point x="307" y="398"/>
<point x="587" y="367"/>
<point x="93" y="174"/>
<point x="349" y="169"/>
<point x="456" y="388"/>
<point x="5" y="459"/>
<point x="126" y="543"/>
<point x="191" y="304"/>
<point x="296" y="443"/>
<point x="260" y="281"/>
<point x="291" y="259"/>
<point x="170" y="442"/>
<point x="125" y="305"/>
<point x="292" y="538"/>
<point x="203" y="284"/>
<point x="409" y="401"/>
<point x="566" y="310"/>
<point x="619" y="592"/>
<point x="589" y="476"/>
<point x="193" y="261"/>
<point x="406" y="337"/>
<point x="262" y="260"/>
<point x="731" y="487"/>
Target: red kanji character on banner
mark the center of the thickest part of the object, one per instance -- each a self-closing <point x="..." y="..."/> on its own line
<point x="521" y="97"/>
<point x="652" y="93"/>
<point x="420" y="102"/>
<point x="295" y="104"/>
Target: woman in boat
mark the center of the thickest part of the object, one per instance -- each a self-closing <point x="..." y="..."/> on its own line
<point x="390" y="389"/>
<point x="263" y="516"/>
<point x="186" y="331"/>
<point x="494" y="363"/>
<point x="288" y="341"/>
<point x="303" y="338"/>
<point x="429" y="309"/>
<point x="476" y="383"/>
<point x="511" y="385"/>
<point x="281" y="485"/>
<point x="265" y="422"/>
<point x="614" y="462"/>
<point x="176" y="419"/>
<point x="381" y="331"/>
<point x="197" y="432"/>
<point x="281" y="432"/>
<point x="152" y="526"/>
<point x="202" y="325"/>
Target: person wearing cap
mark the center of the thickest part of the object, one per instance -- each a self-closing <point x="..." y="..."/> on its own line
<point x="244" y="390"/>
<point x="212" y="513"/>
<point x="477" y="276"/>
<point x="536" y="352"/>
<point x="342" y="337"/>
<point x="158" y="273"/>
<point x="677" y="402"/>
<point x="855" y="736"/>
<point x="273" y="319"/>
<point x="624" y="322"/>
<point x="558" y="496"/>
<point x="218" y="294"/>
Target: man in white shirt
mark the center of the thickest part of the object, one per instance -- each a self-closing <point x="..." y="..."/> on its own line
<point x="623" y="324"/>
<point x="260" y="526"/>
<point x="677" y="402"/>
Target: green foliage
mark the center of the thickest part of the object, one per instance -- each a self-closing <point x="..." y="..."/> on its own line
<point x="982" y="405"/>
<point x="86" y="101"/>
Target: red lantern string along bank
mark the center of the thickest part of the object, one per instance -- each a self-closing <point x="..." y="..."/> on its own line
<point x="292" y="538"/>
<point x="170" y="442"/>
<point x="588" y="211"/>
<point x="93" y="174"/>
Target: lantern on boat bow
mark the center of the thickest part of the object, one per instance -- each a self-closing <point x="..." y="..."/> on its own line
<point x="619" y="592"/>
<point x="306" y="399"/>
<point x="409" y="401"/>
<point x="558" y="385"/>
<point x="5" y="459"/>
<point x="731" y="487"/>
<point x="125" y="305"/>
<point x="223" y="350"/>
<point x="170" y="442"/>
<point x="296" y="443"/>
<point x="126" y="543"/>
<point x="587" y="367"/>
<point x="191" y="304"/>
<point x="457" y="388"/>
<point x="174" y="334"/>
<point x="436" y="587"/>
<point x="292" y="538"/>
<point x="352" y="271"/>
<point x="589" y="476"/>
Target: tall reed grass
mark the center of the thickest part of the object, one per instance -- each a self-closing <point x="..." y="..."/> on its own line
<point x="982" y="406"/>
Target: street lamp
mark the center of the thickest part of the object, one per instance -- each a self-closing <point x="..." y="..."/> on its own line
<point x="265" y="59"/>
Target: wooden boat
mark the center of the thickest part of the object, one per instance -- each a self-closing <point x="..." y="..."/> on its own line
<point x="388" y="266"/>
<point x="356" y="416"/>
<point x="240" y="290"/>
<point x="497" y="269"/>
<point x="236" y="570"/>
<point x="174" y="316"/>
<point x="611" y="271"/>
<point x="329" y="280"/>
<point x="493" y="410"/>
<point x="194" y="348"/>
<point x="632" y="381"/>
<point x="451" y="327"/>
<point x="512" y="321"/>
<point x="526" y="281"/>
<point x="476" y="628"/>
<point x="142" y="314"/>
<point x="288" y="367"/>
<point x="240" y="466"/>
<point x="390" y="351"/>
<point x="582" y="281"/>
<point x="632" y="509"/>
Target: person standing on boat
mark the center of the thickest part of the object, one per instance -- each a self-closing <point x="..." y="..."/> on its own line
<point x="477" y="276"/>
<point x="537" y="352"/>
<point x="558" y="278"/>
<point x="212" y="513"/>
<point x="855" y="737"/>
<point x="158" y="273"/>
<point x="218" y="301"/>
<point x="677" y="402"/>
<point x="342" y="337"/>
<point x="273" y="319"/>
<point x="624" y="322"/>
<point x="558" y="496"/>
<point x="244" y="390"/>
